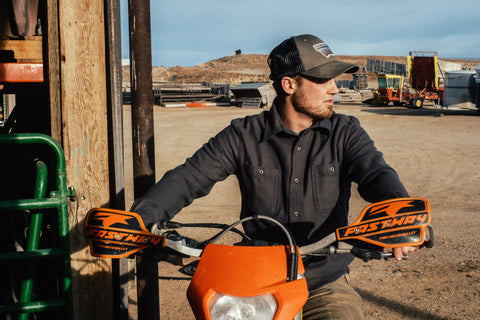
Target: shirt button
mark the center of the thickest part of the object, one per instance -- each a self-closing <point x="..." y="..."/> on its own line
<point x="296" y="213"/>
<point x="332" y="169"/>
<point x="297" y="180"/>
<point x="299" y="148"/>
<point x="261" y="171"/>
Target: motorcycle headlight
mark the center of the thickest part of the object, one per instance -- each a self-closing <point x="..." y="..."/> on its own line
<point x="225" y="307"/>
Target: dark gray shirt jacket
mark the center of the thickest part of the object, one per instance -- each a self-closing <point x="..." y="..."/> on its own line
<point x="303" y="180"/>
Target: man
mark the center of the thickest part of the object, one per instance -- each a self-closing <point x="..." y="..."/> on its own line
<point x="295" y="163"/>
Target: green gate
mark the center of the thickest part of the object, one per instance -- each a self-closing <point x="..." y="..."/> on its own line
<point x="36" y="209"/>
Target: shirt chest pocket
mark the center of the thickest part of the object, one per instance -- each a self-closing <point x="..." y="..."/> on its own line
<point x="326" y="186"/>
<point x="262" y="188"/>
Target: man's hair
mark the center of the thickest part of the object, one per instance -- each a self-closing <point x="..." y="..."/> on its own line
<point x="277" y="85"/>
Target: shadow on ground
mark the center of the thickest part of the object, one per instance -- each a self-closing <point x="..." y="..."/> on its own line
<point x="426" y="111"/>
<point x="408" y="312"/>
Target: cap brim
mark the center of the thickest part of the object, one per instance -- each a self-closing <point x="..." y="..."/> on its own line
<point x="330" y="69"/>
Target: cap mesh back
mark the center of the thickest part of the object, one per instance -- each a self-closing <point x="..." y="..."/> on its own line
<point x="284" y="60"/>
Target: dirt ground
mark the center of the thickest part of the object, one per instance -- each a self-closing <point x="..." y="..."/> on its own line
<point x="436" y="155"/>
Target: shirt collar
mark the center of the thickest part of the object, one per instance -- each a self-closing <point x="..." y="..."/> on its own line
<point x="274" y="124"/>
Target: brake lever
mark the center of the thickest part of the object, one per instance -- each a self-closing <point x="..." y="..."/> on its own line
<point x="183" y="245"/>
<point x="176" y="242"/>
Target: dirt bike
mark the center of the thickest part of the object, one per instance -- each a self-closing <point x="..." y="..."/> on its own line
<point x="259" y="282"/>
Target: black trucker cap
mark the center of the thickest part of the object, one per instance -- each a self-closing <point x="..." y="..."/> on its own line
<point x="306" y="55"/>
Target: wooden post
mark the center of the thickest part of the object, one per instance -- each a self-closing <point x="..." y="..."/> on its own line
<point x="143" y="142"/>
<point x="81" y="34"/>
<point x="51" y="64"/>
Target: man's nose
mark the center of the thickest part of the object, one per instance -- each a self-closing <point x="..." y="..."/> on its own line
<point x="333" y="86"/>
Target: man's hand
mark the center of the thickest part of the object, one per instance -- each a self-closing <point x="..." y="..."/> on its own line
<point x="400" y="253"/>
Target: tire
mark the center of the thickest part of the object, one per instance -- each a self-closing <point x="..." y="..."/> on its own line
<point x="417" y="103"/>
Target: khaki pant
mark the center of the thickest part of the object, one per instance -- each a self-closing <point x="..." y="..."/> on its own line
<point x="334" y="301"/>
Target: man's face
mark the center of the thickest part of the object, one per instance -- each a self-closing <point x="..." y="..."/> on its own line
<point x="314" y="97"/>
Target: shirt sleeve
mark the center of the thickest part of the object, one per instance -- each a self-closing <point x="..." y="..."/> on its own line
<point x="213" y="162"/>
<point x="376" y="180"/>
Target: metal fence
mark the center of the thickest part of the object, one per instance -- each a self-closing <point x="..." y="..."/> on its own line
<point x="383" y="66"/>
<point x="359" y="82"/>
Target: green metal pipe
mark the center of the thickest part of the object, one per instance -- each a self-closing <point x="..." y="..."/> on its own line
<point x="37" y="306"/>
<point x="28" y="256"/>
<point x="31" y="204"/>
<point x="34" y="233"/>
<point x="36" y="218"/>
<point x="58" y="200"/>
<point x="36" y="138"/>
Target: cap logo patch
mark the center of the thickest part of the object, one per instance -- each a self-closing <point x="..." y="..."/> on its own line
<point x="323" y="48"/>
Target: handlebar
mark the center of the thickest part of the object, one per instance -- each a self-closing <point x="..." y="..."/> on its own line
<point x="178" y="244"/>
<point x="392" y="223"/>
<point x="190" y="247"/>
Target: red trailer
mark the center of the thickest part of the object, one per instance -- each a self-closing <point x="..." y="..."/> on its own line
<point x="423" y="78"/>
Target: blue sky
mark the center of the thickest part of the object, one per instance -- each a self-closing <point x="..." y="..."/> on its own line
<point x="189" y="32"/>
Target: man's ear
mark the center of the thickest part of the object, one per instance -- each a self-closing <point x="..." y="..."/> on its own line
<point x="288" y="85"/>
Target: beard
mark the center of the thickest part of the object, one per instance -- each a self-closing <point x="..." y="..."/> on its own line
<point x="301" y="105"/>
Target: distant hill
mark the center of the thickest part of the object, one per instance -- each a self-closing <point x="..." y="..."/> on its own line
<point x="249" y="67"/>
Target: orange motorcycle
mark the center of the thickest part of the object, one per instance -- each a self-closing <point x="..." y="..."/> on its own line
<point x="258" y="282"/>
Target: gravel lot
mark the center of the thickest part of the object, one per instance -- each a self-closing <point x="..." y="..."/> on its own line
<point x="435" y="153"/>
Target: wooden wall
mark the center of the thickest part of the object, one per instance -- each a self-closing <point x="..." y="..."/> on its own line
<point x="80" y="104"/>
